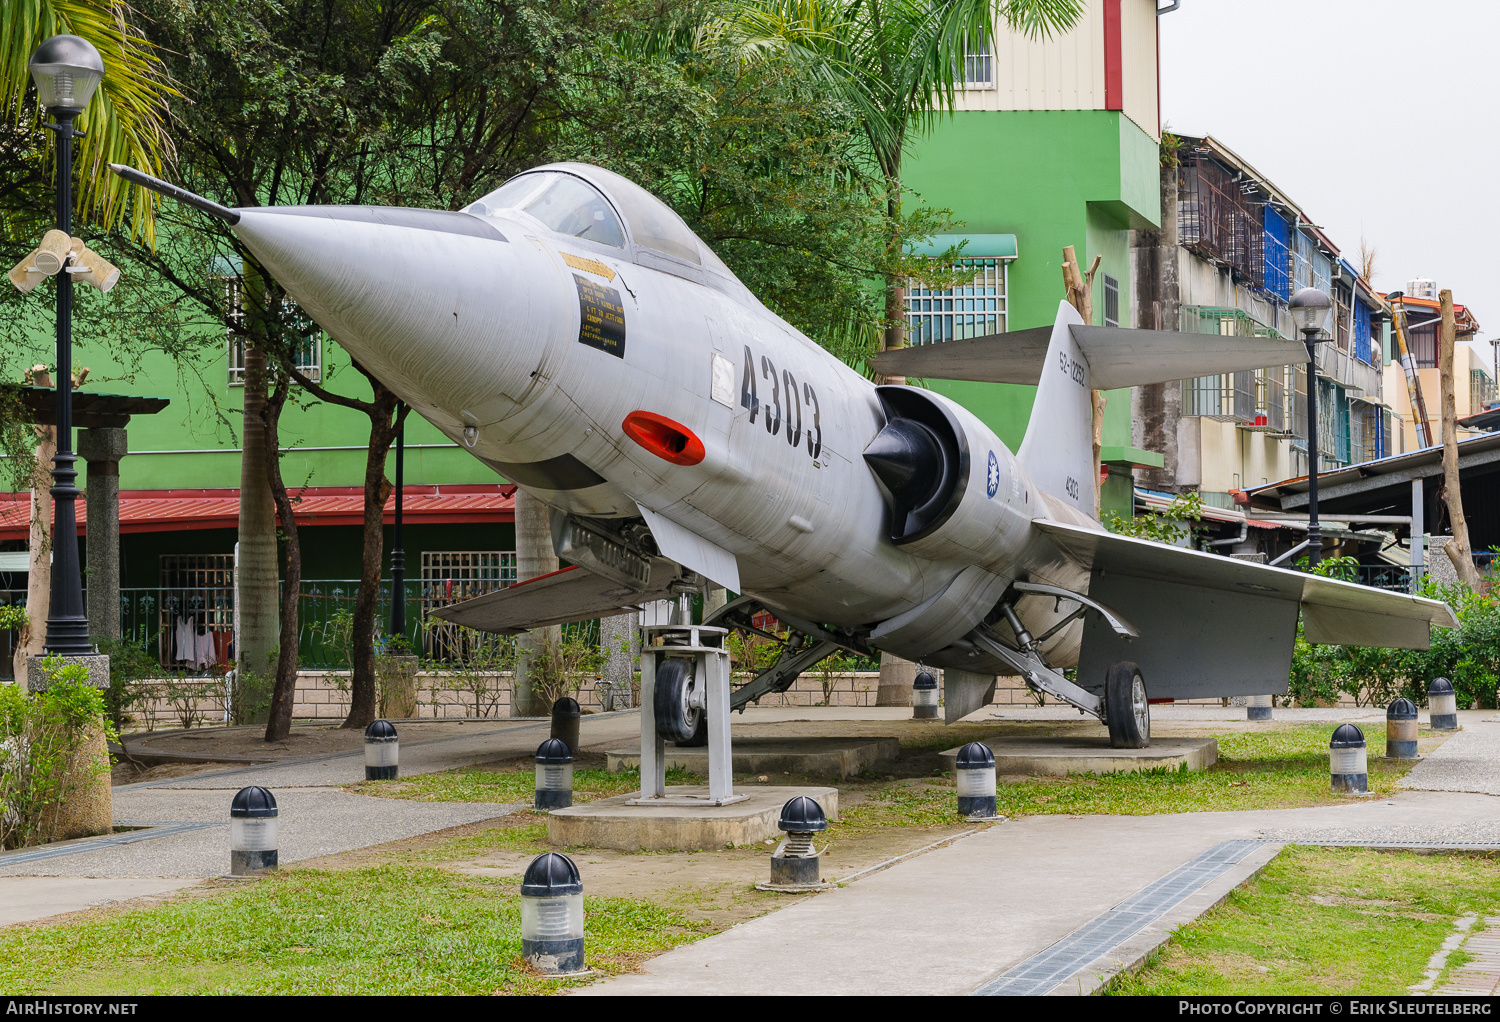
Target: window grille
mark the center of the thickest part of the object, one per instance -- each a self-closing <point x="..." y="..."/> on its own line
<point x="1276" y="254"/>
<point x="1482" y="392"/>
<point x="978" y="67"/>
<point x="1111" y="301"/>
<point x="1217" y="219"/>
<point x="973" y="310"/>
<point x="1343" y="299"/>
<point x="196" y="602"/>
<point x="309" y="345"/>
<point x="451" y="576"/>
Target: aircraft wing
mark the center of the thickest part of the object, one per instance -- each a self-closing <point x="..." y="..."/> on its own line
<point x="1215" y="626"/>
<point x="571" y="594"/>
<point x="1117" y="356"/>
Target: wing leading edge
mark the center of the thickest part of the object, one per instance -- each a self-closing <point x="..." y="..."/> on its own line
<point x="571" y="594"/>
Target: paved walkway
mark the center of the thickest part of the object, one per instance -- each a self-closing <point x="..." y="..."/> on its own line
<point x="186" y="819"/>
<point x="961" y="918"/>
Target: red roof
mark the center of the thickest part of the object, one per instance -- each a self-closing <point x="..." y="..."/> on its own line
<point x="181" y="510"/>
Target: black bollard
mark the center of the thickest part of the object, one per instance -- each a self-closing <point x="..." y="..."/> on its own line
<point x="565" y="716"/>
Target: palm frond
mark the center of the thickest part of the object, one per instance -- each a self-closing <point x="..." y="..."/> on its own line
<point x="125" y="122"/>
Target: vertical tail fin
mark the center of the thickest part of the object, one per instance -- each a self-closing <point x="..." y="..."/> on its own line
<point x="1058" y="451"/>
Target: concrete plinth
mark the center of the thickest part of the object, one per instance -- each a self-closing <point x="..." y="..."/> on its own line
<point x="97" y="664"/>
<point x="1061" y="756"/>
<point x="610" y="823"/>
<point x="847" y="757"/>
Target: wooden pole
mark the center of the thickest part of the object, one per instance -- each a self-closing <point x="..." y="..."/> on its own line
<point x="1457" y="548"/>
<point x="1080" y="294"/>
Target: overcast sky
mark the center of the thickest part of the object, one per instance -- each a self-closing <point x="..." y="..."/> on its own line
<point x="1377" y="117"/>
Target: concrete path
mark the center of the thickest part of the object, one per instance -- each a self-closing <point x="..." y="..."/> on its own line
<point x="953" y="920"/>
<point x="23" y="899"/>
<point x="1465" y="762"/>
<point x="187" y="819"/>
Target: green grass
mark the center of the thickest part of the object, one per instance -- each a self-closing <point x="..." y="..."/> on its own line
<point x="400" y="929"/>
<point x="1271" y="769"/>
<point x="1325" y="921"/>
<point x="474" y="784"/>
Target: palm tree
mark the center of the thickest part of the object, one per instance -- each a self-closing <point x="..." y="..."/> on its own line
<point x="898" y="63"/>
<point x="125" y="122"/>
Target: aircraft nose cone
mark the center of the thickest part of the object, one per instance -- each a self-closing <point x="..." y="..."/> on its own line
<point x="907" y="459"/>
<point x="431" y="302"/>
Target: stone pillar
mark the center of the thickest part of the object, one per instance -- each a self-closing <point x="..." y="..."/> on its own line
<point x="103" y="447"/>
<point x="896" y="676"/>
<point x="618" y="636"/>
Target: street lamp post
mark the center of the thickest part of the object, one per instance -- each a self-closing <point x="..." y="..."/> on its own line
<point x="66" y="70"/>
<point x="1309" y="308"/>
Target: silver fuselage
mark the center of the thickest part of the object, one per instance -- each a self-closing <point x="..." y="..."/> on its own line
<point x="482" y="338"/>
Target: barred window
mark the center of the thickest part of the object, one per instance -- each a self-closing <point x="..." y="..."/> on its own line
<point x="1111" y="301"/>
<point x="309" y="344"/>
<point x="978" y="67"/>
<point x="976" y="309"/>
<point x="452" y="576"/>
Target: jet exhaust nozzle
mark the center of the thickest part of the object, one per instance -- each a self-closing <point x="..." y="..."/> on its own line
<point x="907" y="458"/>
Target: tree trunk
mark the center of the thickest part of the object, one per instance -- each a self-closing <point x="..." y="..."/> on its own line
<point x="256" y="583"/>
<point x="33" y="635"/>
<point x="895" y="290"/>
<point x="1080" y="294"/>
<point x="1458" y="550"/>
<point x="363" y="691"/>
<point x="534" y="556"/>
<point x="284" y="693"/>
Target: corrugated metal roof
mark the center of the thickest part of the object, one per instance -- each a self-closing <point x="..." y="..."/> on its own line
<point x="171" y="511"/>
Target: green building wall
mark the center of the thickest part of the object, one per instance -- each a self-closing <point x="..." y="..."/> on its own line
<point x="1052" y="178"/>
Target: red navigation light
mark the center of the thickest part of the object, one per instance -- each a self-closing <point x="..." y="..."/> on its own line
<point x="668" y="440"/>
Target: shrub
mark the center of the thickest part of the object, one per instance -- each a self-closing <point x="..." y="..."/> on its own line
<point x="41" y="737"/>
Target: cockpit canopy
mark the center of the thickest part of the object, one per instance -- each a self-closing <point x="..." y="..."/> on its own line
<point x="594" y="204"/>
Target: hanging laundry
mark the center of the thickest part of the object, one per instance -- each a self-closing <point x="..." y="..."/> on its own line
<point x="184" y="640"/>
<point x="204" y="652"/>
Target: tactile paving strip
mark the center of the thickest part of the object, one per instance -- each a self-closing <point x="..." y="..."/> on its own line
<point x="148" y="831"/>
<point x="1040" y="973"/>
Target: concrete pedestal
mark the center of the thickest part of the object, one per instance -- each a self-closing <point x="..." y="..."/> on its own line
<point x="611" y="823"/>
<point x="846" y="757"/>
<point x="1062" y="756"/>
<point x="97" y="664"/>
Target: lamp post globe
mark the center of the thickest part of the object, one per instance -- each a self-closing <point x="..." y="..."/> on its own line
<point x="66" y="70"/>
<point x="1309" y="308"/>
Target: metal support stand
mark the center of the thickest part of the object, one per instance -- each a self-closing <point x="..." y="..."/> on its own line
<point x="711" y="668"/>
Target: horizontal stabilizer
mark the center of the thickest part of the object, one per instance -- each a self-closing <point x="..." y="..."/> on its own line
<point x="1117" y="356"/>
<point x="571" y="594"/>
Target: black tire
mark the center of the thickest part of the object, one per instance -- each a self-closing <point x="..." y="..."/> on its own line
<point x="675" y="720"/>
<point x="700" y="735"/>
<point x="1127" y="712"/>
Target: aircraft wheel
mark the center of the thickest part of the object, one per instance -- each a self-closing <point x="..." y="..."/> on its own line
<point x="676" y="721"/>
<point x="1126" y="711"/>
<point x="700" y="735"/>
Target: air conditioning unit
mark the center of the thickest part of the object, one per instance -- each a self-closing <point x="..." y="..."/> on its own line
<point x="1422" y="287"/>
